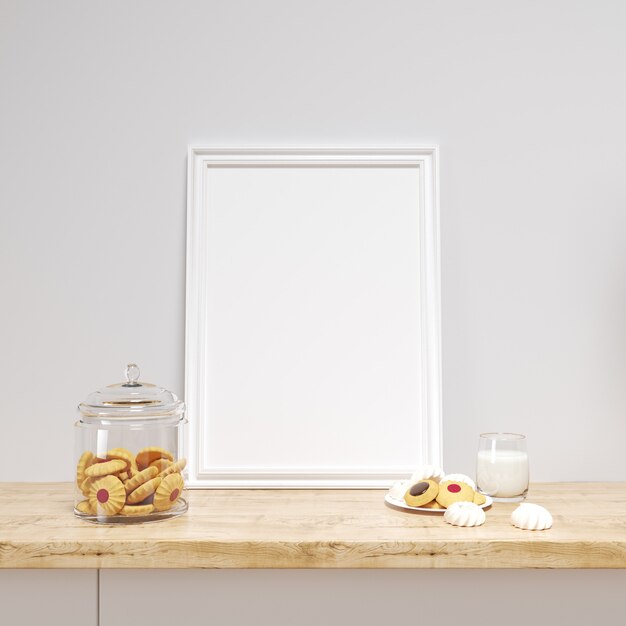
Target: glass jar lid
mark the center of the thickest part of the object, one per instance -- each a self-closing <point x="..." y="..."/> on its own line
<point x="130" y="400"/>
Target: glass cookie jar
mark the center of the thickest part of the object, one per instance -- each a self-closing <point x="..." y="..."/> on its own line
<point x="128" y="466"/>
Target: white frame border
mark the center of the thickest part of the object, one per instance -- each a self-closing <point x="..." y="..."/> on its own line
<point x="427" y="160"/>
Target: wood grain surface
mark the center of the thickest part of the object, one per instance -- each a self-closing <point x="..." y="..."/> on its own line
<point x="313" y="528"/>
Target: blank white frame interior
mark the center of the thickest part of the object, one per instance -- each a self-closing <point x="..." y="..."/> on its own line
<point x="313" y="344"/>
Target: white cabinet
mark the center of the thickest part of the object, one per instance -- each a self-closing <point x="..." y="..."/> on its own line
<point x="48" y="597"/>
<point x="309" y="597"/>
<point x="362" y="597"/>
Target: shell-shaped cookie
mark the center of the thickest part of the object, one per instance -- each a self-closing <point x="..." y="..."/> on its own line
<point x="398" y="489"/>
<point x="529" y="516"/>
<point x="168" y="492"/>
<point x="107" y="495"/>
<point x="460" y="478"/>
<point x="427" y="472"/>
<point x="464" y="514"/>
<point x="145" y="456"/>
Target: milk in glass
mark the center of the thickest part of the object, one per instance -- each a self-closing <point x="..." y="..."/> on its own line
<point x="502" y="473"/>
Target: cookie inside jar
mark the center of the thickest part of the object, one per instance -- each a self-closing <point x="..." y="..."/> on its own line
<point x="128" y="464"/>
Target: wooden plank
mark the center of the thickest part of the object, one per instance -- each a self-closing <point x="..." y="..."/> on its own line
<point x="313" y="528"/>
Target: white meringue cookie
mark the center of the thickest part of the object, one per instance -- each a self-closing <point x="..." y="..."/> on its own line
<point x="427" y="472"/>
<point x="464" y="514"/>
<point x="460" y="478"/>
<point x="529" y="516"/>
<point x="398" y="489"/>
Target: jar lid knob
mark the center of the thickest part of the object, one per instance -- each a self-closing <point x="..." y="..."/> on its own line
<point x="132" y="375"/>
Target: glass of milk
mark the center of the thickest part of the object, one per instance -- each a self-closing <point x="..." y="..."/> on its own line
<point x="502" y="466"/>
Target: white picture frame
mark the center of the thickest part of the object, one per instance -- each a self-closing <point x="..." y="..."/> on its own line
<point x="272" y="203"/>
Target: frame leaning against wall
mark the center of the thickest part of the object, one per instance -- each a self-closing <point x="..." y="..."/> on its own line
<point x="226" y="188"/>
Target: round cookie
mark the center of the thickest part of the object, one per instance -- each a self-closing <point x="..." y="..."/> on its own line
<point x="124" y="455"/>
<point x="421" y="493"/>
<point x="145" y="456"/>
<point x="143" y="491"/>
<point x="179" y="466"/>
<point x="121" y="454"/>
<point x="85" y="486"/>
<point x="84" y="507"/>
<point x="460" y="478"/>
<point x="140" y="478"/>
<point x="433" y="505"/>
<point x="450" y="491"/>
<point x="137" y="509"/>
<point x="103" y="469"/>
<point x="168" y="492"/>
<point x="107" y="495"/>
<point x="161" y="464"/>
<point x="87" y="459"/>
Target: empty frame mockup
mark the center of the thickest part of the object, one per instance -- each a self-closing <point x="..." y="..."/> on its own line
<point x="313" y="323"/>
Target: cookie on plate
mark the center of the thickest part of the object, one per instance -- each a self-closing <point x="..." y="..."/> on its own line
<point x="421" y="493"/>
<point x="479" y="498"/>
<point x="451" y="491"/>
<point x="459" y="478"/>
<point x="434" y="505"/>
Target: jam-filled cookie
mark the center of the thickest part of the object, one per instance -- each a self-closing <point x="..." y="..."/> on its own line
<point x="107" y="495"/>
<point x="451" y="491"/>
<point x="168" y="492"/>
<point x="419" y="494"/>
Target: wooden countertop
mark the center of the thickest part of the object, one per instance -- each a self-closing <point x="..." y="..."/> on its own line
<point x="313" y="528"/>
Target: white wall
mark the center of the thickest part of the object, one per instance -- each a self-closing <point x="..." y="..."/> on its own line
<point x="526" y="100"/>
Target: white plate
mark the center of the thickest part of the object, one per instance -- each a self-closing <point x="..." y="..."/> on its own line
<point x="401" y="504"/>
